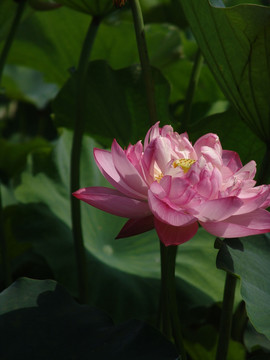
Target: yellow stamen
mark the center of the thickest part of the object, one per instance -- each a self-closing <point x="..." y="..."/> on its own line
<point x="185" y="164"/>
<point x="158" y="177"/>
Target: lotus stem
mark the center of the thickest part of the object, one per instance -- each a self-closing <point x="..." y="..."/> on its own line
<point x="176" y="327"/>
<point x="3" y="246"/>
<point x="3" y="57"/>
<point x="170" y="325"/>
<point x="240" y="321"/>
<point x="226" y="317"/>
<point x="11" y="35"/>
<point x="144" y="59"/>
<point x="75" y="159"/>
<point x="165" y="317"/>
<point x="193" y="82"/>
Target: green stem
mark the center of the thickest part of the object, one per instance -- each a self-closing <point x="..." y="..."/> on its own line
<point x="144" y="59"/>
<point x="239" y="322"/>
<point x="170" y="317"/>
<point x="193" y="82"/>
<point x="3" y="57"/>
<point x="165" y="317"/>
<point x="12" y="32"/>
<point x="3" y="244"/>
<point x="226" y="317"/>
<point x="177" y="331"/>
<point x="75" y="159"/>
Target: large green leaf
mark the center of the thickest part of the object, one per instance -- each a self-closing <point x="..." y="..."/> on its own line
<point x="111" y="96"/>
<point x="253" y="339"/>
<point x="39" y="320"/>
<point x="115" y="43"/>
<point x="56" y="52"/>
<point x="133" y="262"/>
<point x="249" y="258"/>
<point x="235" y="42"/>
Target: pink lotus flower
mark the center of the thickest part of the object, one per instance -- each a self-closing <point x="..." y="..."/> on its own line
<point x="172" y="186"/>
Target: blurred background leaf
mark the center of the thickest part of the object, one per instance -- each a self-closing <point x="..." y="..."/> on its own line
<point x="25" y="84"/>
<point x="164" y="11"/>
<point x="97" y="8"/>
<point x="116" y="105"/>
<point x="171" y="50"/>
<point x="49" y="42"/>
<point x="13" y="155"/>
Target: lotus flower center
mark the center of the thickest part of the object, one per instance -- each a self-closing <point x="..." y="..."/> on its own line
<point x="158" y="177"/>
<point x="185" y="164"/>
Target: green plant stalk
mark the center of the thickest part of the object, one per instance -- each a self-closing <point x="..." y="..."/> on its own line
<point x="10" y="37"/>
<point x="3" y="57"/>
<point x="171" y="327"/>
<point x="176" y="326"/>
<point x="165" y="316"/>
<point x="75" y="159"/>
<point x="3" y="246"/>
<point x="193" y="82"/>
<point x="226" y="317"/>
<point x="144" y="59"/>
<point x="239" y="322"/>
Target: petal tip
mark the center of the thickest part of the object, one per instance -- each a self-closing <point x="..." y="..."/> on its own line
<point x="76" y="193"/>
